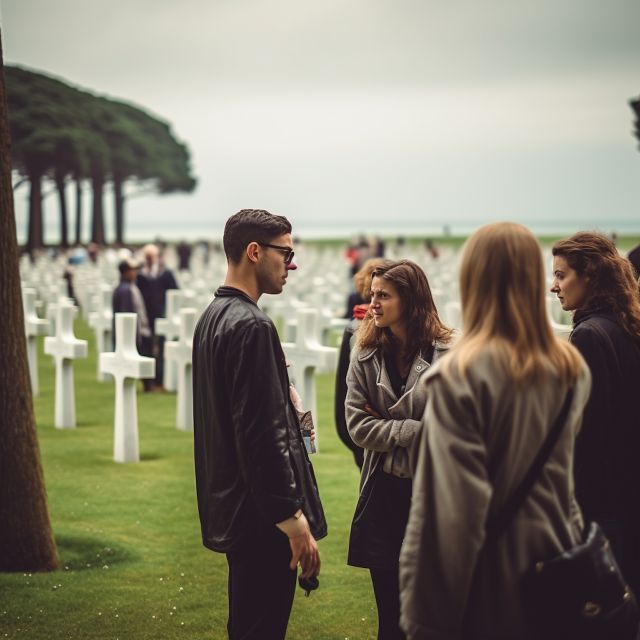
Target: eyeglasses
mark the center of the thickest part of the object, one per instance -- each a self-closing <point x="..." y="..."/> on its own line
<point x="286" y="251"/>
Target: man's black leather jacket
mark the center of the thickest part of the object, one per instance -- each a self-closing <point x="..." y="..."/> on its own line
<point x="250" y="459"/>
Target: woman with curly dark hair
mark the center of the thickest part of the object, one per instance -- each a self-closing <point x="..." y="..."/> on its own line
<point x="398" y="340"/>
<point x="592" y="279"/>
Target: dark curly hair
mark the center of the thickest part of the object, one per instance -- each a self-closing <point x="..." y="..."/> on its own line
<point x="423" y="323"/>
<point x="251" y="225"/>
<point x="611" y="278"/>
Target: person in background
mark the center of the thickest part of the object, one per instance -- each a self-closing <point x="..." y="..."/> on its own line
<point x="358" y="304"/>
<point x="634" y="259"/>
<point x="431" y="248"/>
<point x="184" y="255"/>
<point x="154" y="280"/>
<point x="93" y="251"/>
<point x="128" y="299"/>
<point x="257" y="495"/>
<point x="398" y="340"/>
<point x="491" y="402"/>
<point x="592" y="279"/>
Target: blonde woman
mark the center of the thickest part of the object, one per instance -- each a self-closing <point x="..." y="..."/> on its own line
<point x="490" y="405"/>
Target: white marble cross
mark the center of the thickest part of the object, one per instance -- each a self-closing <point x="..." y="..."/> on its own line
<point x="169" y="327"/>
<point x="33" y="327"/>
<point x="126" y="366"/>
<point x="65" y="348"/>
<point x="182" y="352"/>
<point x="561" y="330"/>
<point x="101" y="321"/>
<point x="306" y="355"/>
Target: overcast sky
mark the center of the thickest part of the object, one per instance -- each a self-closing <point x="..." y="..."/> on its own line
<point x="362" y="114"/>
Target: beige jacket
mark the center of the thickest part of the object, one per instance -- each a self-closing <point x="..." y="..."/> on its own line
<point x="482" y="438"/>
<point x="368" y="383"/>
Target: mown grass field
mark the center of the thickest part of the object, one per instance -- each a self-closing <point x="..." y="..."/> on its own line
<point x="132" y="563"/>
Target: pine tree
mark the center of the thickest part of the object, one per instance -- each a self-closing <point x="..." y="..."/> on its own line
<point x="26" y="538"/>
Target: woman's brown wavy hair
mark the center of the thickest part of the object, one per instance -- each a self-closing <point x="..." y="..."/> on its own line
<point x="610" y="276"/>
<point x="423" y="323"/>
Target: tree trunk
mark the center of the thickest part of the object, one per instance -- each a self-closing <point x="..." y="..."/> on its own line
<point x="36" y="235"/>
<point x="78" y="211"/>
<point x="118" y="191"/>
<point x="97" y="220"/>
<point x="62" y="199"/>
<point x="26" y="539"/>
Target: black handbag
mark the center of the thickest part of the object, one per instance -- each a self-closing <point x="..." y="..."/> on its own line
<point x="580" y="593"/>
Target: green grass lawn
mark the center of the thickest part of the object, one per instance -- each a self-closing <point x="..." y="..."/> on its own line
<point x="128" y="536"/>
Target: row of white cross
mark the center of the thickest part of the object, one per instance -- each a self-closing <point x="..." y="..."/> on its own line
<point x="306" y="311"/>
<point x="126" y="365"/>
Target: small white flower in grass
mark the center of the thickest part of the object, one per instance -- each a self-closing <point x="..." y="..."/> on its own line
<point x="174" y="607"/>
<point x="153" y="617"/>
<point x="181" y="589"/>
<point x="99" y="613"/>
<point x="161" y="579"/>
<point x="106" y="566"/>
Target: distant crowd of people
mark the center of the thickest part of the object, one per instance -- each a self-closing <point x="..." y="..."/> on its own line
<point x="444" y="426"/>
<point x="143" y="290"/>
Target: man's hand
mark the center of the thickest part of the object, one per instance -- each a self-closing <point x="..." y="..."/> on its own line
<point x="304" y="548"/>
<point x="304" y="551"/>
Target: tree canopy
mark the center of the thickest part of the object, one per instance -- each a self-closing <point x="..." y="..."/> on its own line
<point x="62" y="133"/>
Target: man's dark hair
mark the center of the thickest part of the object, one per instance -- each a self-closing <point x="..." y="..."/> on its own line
<point x="251" y="225"/>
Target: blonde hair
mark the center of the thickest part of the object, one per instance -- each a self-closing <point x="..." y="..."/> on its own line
<point x="502" y="288"/>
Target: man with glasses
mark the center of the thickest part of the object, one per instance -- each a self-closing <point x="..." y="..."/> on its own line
<point x="257" y="495"/>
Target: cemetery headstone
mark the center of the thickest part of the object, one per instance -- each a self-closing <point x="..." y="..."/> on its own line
<point x="306" y="355"/>
<point x="101" y="321"/>
<point x="127" y="366"/>
<point x="65" y="348"/>
<point x="33" y="327"/>
<point x="182" y="355"/>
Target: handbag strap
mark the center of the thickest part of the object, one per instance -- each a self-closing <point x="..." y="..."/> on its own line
<point x="496" y="525"/>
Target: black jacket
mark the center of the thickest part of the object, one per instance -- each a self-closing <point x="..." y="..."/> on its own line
<point x="250" y="459"/>
<point x="607" y="467"/>
<point x="154" y="290"/>
<point x="344" y="358"/>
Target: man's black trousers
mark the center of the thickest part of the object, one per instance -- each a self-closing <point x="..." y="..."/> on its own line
<point x="261" y="586"/>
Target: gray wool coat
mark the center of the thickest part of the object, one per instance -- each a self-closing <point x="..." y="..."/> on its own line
<point x="483" y="434"/>
<point x="368" y="383"/>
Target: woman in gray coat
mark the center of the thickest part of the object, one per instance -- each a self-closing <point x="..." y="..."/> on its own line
<point x="491" y="403"/>
<point x="396" y="343"/>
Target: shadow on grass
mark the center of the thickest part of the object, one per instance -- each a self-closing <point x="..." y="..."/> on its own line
<point x="83" y="554"/>
<point x="149" y="456"/>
